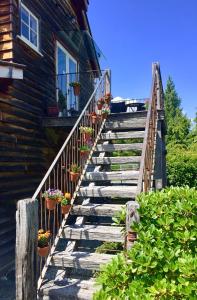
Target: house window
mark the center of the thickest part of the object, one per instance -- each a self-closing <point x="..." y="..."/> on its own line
<point x="29" y="27"/>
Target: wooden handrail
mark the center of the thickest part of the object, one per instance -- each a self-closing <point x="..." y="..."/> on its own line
<point x="156" y="102"/>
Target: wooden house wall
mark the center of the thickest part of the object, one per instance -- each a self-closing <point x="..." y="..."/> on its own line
<point x="6" y="41"/>
<point x="23" y="142"/>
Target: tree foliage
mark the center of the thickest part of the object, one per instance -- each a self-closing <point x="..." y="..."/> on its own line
<point x="162" y="263"/>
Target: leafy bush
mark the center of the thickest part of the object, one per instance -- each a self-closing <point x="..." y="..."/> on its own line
<point x="182" y="165"/>
<point x="162" y="264"/>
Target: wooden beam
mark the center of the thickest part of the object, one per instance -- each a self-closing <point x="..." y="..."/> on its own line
<point x="26" y="249"/>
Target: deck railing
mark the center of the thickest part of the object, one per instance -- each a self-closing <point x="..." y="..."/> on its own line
<point x="58" y="177"/>
<point x="148" y="151"/>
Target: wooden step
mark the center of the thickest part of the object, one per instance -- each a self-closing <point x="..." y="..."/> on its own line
<point x="121" y="191"/>
<point x="80" y="260"/>
<point x="115" y="160"/>
<point x="92" y="209"/>
<point x="116" y="175"/>
<point x="119" y="147"/>
<point x="93" y="232"/>
<point x="122" y="135"/>
<point x="70" y="289"/>
<point x="133" y="123"/>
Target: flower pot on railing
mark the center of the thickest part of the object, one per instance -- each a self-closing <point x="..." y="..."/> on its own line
<point x="76" y="87"/>
<point x="74" y="172"/>
<point x="107" y="98"/>
<point x="50" y="203"/>
<point x="94" y="118"/>
<point x="65" y="203"/>
<point x="84" y="153"/>
<point x="87" y="133"/>
<point x="100" y="103"/>
<point x="43" y="243"/>
<point x="74" y="176"/>
<point x="51" y="197"/>
<point x="43" y="252"/>
<point x="65" y="209"/>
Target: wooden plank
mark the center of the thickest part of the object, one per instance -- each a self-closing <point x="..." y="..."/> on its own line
<point x="108" y="191"/>
<point x="126" y="124"/>
<point x="115" y="160"/>
<point x="116" y="175"/>
<point x="80" y="260"/>
<point x="59" y="122"/>
<point x="93" y="232"/>
<point x="119" y="147"/>
<point x="122" y="135"/>
<point x="73" y="289"/>
<point x="92" y="209"/>
<point x="26" y="247"/>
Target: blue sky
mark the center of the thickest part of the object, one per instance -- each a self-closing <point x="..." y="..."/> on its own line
<point x="134" y="33"/>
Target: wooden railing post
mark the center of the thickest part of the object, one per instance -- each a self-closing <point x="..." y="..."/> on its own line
<point x="26" y="244"/>
<point x="132" y="216"/>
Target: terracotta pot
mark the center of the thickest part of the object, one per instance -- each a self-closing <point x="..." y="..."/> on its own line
<point x="84" y="153"/>
<point x="43" y="252"/>
<point x="76" y="90"/>
<point x="131" y="236"/>
<point x="104" y="116"/>
<point x="107" y="100"/>
<point x="99" y="106"/>
<point x="74" y="176"/>
<point x="65" y="209"/>
<point x="86" y="136"/>
<point x="51" y="204"/>
<point x="94" y="119"/>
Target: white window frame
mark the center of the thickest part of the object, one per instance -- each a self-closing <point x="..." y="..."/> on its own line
<point x="28" y="42"/>
<point x="68" y="56"/>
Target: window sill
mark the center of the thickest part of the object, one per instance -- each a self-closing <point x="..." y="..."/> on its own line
<point x="29" y="45"/>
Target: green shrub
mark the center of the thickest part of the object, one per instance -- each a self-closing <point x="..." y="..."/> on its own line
<point x="182" y="166"/>
<point x="162" y="264"/>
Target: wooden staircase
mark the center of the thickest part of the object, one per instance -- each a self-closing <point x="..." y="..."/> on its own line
<point x="110" y="180"/>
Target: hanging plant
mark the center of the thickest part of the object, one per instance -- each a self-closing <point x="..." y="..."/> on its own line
<point x="43" y="243"/>
<point x="85" y="151"/>
<point x="94" y="118"/>
<point x="100" y="103"/>
<point x="65" y="203"/>
<point x="107" y="98"/>
<point x="87" y="133"/>
<point x="105" y="112"/>
<point x="74" y="172"/>
<point x="76" y="87"/>
<point x="52" y="197"/>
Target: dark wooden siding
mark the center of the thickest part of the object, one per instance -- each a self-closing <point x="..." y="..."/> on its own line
<point x="24" y="146"/>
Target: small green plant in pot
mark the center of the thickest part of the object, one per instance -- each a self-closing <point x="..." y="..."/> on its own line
<point x="76" y="87"/>
<point x="85" y="151"/>
<point x="74" y="172"/>
<point x="87" y="132"/>
<point x="43" y="242"/>
<point x="105" y="112"/>
<point x="52" y="196"/>
<point x="65" y="203"/>
<point x="61" y="103"/>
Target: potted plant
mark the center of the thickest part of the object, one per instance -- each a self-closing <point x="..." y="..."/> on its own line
<point x="65" y="203"/>
<point x="107" y="98"/>
<point x="61" y="103"/>
<point x="100" y="103"/>
<point x="84" y="151"/>
<point x="105" y="112"/>
<point x="52" y="196"/>
<point x="76" y="87"/>
<point x="94" y="117"/>
<point x="74" y="172"/>
<point x="87" y="132"/>
<point x="43" y="242"/>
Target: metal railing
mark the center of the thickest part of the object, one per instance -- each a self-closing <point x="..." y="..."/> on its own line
<point x="148" y="150"/>
<point x="58" y="175"/>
